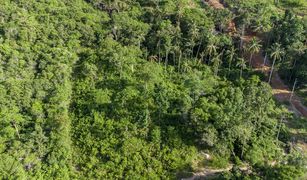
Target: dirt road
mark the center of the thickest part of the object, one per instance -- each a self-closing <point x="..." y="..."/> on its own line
<point x="281" y="91"/>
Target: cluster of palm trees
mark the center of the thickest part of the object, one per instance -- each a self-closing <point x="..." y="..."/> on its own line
<point x="215" y="58"/>
<point x="211" y="56"/>
<point x="207" y="50"/>
<point x="253" y="47"/>
<point x="276" y="54"/>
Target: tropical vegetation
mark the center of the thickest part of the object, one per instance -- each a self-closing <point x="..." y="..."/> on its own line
<point x="140" y="89"/>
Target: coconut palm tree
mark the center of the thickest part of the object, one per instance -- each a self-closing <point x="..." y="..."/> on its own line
<point x="200" y="44"/>
<point x="211" y="49"/>
<point x="186" y="67"/>
<point x="276" y="54"/>
<point x="194" y="34"/>
<point x="202" y="55"/>
<point x="216" y="60"/>
<point x="230" y="54"/>
<point x="245" y="22"/>
<point x="153" y="58"/>
<point x="299" y="49"/>
<point x="241" y="64"/>
<point x="253" y="47"/>
<point x="177" y="51"/>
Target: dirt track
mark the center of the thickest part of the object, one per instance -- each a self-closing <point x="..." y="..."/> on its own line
<point x="281" y="91"/>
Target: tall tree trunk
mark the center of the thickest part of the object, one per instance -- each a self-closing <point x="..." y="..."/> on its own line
<point x="159" y="54"/>
<point x="229" y="66"/>
<point x="179" y="60"/>
<point x="166" y="59"/>
<point x="198" y="49"/>
<point x="192" y="51"/>
<point x="292" y="70"/>
<point x="242" y="35"/>
<point x="242" y="152"/>
<point x="292" y="92"/>
<point x="216" y="70"/>
<point x="250" y="60"/>
<point x="264" y="61"/>
<point x="272" y="69"/>
<point x="174" y="58"/>
<point x="281" y="120"/>
<point x="269" y="39"/>
<point x="16" y="129"/>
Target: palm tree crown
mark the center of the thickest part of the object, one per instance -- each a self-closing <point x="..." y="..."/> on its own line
<point x="276" y="51"/>
<point x="253" y="47"/>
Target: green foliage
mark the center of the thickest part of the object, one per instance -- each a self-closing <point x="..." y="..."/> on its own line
<point x="290" y="33"/>
<point x="128" y="89"/>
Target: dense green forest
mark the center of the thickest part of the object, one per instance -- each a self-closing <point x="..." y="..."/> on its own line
<point x="140" y="89"/>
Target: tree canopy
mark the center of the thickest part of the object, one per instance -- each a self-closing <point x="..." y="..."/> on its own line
<point x="136" y="89"/>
